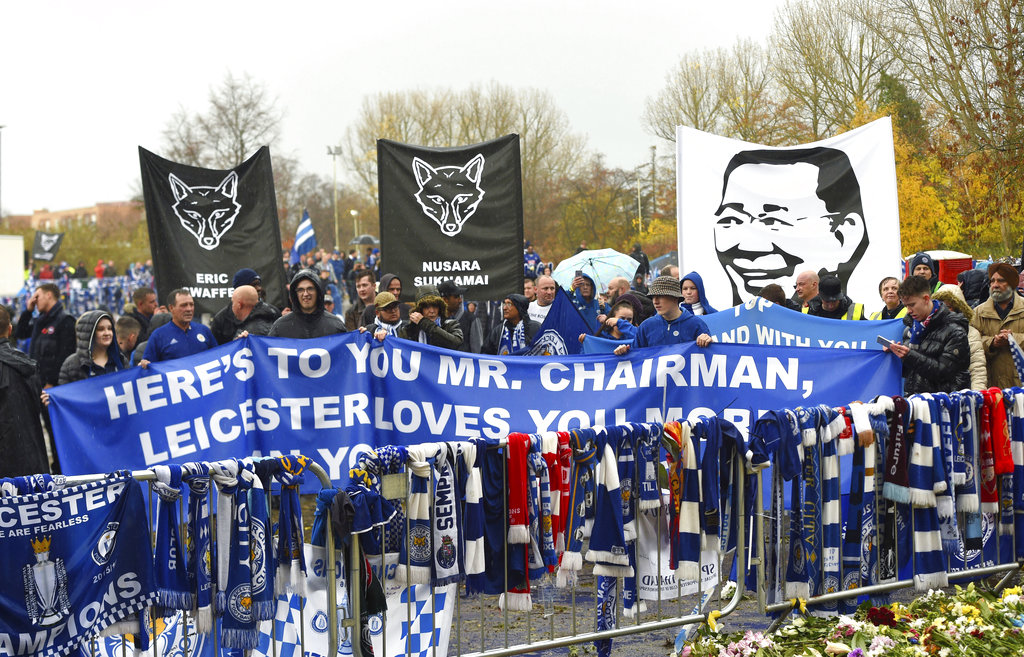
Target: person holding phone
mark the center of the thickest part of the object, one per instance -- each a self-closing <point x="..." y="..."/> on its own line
<point x="584" y="297"/>
<point x="936" y="352"/>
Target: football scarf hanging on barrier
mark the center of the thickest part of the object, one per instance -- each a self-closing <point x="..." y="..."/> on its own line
<point x="200" y="548"/>
<point x="291" y="564"/>
<point x="584" y="455"/>
<point x="897" y="457"/>
<point x="173" y="590"/>
<point x="929" y="558"/>
<point x="67" y="574"/>
<point x="414" y="559"/>
<point x="607" y="547"/>
<point x="448" y="566"/>
<point x="474" y="512"/>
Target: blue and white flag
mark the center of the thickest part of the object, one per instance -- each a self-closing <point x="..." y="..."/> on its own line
<point x="559" y="335"/>
<point x="70" y="565"/>
<point x="1018" y="357"/>
<point x="305" y="239"/>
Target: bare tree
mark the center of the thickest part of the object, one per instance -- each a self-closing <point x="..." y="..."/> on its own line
<point x="241" y="117"/>
<point x="691" y="97"/>
<point x="444" y="117"/>
<point x="828" y="61"/>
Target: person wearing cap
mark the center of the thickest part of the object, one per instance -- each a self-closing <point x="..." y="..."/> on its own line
<point x="672" y="324"/>
<point x="924" y="266"/>
<point x="472" y="332"/>
<point x="516" y="330"/>
<point x="935" y="350"/>
<point x="999" y="318"/>
<point x="308" y="318"/>
<point x="387" y="318"/>
<point x="329" y="306"/>
<point x="247" y="313"/>
<point x="831" y="303"/>
<point x="428" y="322"/>
<point x="248" y="276"/>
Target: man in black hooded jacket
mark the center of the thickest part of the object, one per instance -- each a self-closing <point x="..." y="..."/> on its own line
<point x="308" y="318"/>
<point x="516" y="330"/>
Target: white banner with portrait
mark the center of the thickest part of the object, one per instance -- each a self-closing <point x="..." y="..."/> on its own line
<point x="771" y="213"/>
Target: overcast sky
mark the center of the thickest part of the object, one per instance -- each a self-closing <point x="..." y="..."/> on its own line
<point x="82" y="84"/>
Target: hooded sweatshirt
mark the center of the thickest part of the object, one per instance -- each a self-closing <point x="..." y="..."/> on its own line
<point x="370" y="313"/>
<point x="589" y="309"/>
<point x="80" y="364"/>
<point x="298" y="324"/>
<point x="702" y="307"/>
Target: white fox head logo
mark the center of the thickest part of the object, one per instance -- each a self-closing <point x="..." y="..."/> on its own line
<point x="449" y="195"/>
<point x="47" y="241"/>
<point x="206" y="212"/>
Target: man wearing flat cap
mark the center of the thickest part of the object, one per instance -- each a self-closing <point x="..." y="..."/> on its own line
<point x="387" y="317"/>
<point x="999" y="318"/>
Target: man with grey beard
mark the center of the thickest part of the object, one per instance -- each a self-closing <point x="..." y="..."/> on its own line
<point x="999" y="318"/>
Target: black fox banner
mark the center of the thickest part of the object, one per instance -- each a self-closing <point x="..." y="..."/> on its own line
<point x="206" y="224"/>
<point x="46" y="245"/>
<point x="453" y="213"/>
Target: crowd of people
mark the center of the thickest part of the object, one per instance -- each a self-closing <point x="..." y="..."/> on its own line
<point x="955" y="336"/>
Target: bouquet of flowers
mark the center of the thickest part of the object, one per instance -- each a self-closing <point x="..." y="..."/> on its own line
<point x="968" y="622"/>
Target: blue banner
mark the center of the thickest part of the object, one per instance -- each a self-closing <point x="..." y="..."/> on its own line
<point x="268" y="396"/>
<point x="760" y="321"/>
<point x="70" y="564"/>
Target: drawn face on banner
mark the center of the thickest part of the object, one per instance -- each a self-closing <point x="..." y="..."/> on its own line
<point x="787" y="211"/>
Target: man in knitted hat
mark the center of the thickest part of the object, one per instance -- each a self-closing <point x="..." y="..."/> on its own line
<point x="516" y="330"/>
<point x="999" y="318"/>
<point x="924" y="266"/>
<point x="672" y="324"/>
<point x="428" y="322"/>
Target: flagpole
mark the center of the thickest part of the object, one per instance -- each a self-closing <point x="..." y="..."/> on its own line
<point x="334" y="153"/>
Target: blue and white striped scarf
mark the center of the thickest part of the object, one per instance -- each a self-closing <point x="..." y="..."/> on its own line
<point x="473" y="525"/>
<point x="967" y="455"/>
<point x="1016" y="412"/>
<point x="584" y="462"/>
<point x="291" y="563"/>
<point x="201" y="557"/>
<point x="689" y="538"/>
<point x="607" y="548"/>
<point x="925" y="482"/>
<point x="647" y="455"/>
<point x="1017" y="353"/>
<point x="415" y="560"/>
<point x="173" y="591"/>
<point x="831" y="424"/>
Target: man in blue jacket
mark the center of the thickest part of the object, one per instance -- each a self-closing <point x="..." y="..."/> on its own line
<point x="672" y="325"/>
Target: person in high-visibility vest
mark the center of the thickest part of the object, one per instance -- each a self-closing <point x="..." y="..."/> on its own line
<point x="832" y="303"/>
<point x="894" y="308"/>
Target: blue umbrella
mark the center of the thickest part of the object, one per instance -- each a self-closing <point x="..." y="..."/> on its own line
<point x="602" y="265"/>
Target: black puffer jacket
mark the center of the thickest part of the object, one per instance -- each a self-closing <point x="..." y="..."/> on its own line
<point x="298" y="324"/>
<point x="225" y="326"/>
<point x="80" y="365"/>
<point x="53" y="340"/>
<point x="974" y="285"/>
<point x="938" y="362"/>
<point x="21" y="434"/>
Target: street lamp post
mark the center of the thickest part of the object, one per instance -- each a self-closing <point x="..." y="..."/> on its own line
<point x="334" y="152"/>
<point x="355" y="223"/>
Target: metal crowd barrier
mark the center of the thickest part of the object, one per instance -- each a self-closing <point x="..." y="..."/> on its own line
<point x="783" y="609"/>
<point x="330" y="572"/>
<point x="397" y="488"/>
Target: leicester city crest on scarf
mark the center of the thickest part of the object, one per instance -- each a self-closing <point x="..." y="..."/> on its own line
<point x="70" y="565"/>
